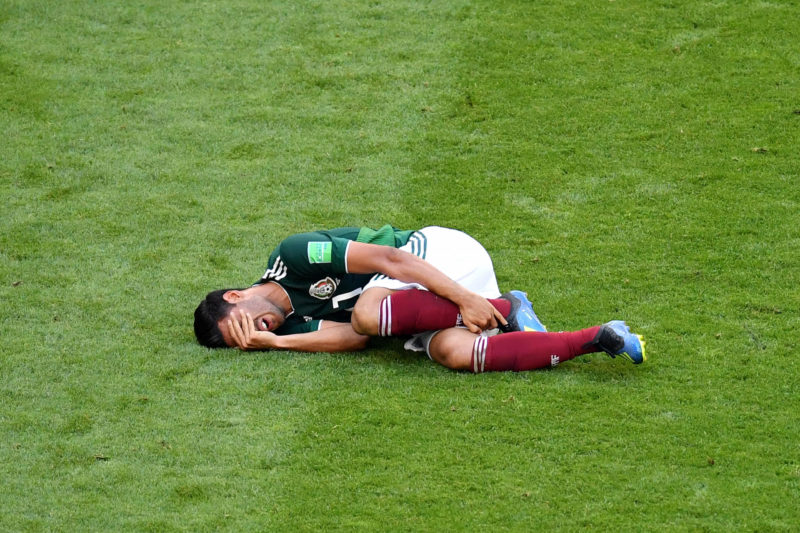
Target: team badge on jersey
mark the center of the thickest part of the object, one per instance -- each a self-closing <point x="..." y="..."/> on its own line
<point x="323" y="289"/>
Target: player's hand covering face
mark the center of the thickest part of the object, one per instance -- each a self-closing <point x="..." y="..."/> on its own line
<point x="251" y="315"/>
<point x="242" y="331"/>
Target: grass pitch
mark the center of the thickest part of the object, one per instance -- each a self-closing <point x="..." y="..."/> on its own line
<point x="620" y="159"/>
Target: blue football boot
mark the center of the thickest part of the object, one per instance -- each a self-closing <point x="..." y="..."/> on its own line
<point x="615" y="338"/>
<point x="521" y="317"/>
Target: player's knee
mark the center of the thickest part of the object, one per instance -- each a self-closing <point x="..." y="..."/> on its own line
<point x="361" y="322"/>
<point x="365" y="316"/>
<point x="450" y="351"/>
<point x="446" y="359"/>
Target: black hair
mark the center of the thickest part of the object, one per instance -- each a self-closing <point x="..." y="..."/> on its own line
<point x="206" y="317"/>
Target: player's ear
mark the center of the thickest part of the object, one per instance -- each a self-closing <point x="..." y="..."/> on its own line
<point x="233" y="296"/>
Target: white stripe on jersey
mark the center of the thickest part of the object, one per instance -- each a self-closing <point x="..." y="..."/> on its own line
<point x="278" y="271"/>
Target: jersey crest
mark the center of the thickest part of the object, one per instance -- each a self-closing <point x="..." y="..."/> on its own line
<point x="323" y="289"/>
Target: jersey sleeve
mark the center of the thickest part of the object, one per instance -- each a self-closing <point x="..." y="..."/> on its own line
<point x="309" y="255"/>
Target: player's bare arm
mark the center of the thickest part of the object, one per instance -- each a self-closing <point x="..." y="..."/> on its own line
<point x="476" y="312"/>
<point x="331" y="337"/>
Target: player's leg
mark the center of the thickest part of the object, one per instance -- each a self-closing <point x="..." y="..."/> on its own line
<point x="405" y="310"/>
<point x="531" y="350"/>
<point x="384" y="312"/>
<point x="459" y="349"/>
<point x="452" y="348"/>
<point x="366" y="313"/>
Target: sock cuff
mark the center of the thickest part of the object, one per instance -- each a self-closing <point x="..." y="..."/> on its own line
<point x="479" y="354"/>
<point x="385" y="317"/>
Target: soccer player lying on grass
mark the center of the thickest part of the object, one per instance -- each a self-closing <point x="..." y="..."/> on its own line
<point x="330" y="290"/>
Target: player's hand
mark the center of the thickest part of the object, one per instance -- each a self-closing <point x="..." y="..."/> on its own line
<point x="246" y="336"/>
<point x="478" y="314"/>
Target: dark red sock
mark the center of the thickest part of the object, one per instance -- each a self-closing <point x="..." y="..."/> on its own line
<point x="528" y="350"/>
<point x="414" y="311"/>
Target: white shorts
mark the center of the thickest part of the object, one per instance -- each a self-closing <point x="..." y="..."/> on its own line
<point x="455" y="254"/>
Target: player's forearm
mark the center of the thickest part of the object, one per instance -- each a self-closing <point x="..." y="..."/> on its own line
<point x="333" y="339"/>
<point x="410" y="268"/>
<point x="477" y="313"/>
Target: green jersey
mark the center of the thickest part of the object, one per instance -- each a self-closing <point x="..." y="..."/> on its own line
<point x="312" y="269"/>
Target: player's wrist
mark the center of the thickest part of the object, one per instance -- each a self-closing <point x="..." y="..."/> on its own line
<point x="464" y="298"/>
<point x="275" y="342"/>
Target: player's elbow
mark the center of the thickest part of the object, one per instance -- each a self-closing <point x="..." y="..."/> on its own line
<point x="396" y="258"/>
<point x="360" y="343"/>
<point x="352" y="342"/>
<point x="391" y="262"/>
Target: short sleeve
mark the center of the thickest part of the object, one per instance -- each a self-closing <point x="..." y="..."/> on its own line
<point x="315" y="253"/>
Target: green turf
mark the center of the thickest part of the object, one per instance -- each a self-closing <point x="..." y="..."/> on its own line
<point x="619" y="159"/>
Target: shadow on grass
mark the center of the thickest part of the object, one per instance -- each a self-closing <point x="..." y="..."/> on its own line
<point x="388" y="355"/>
